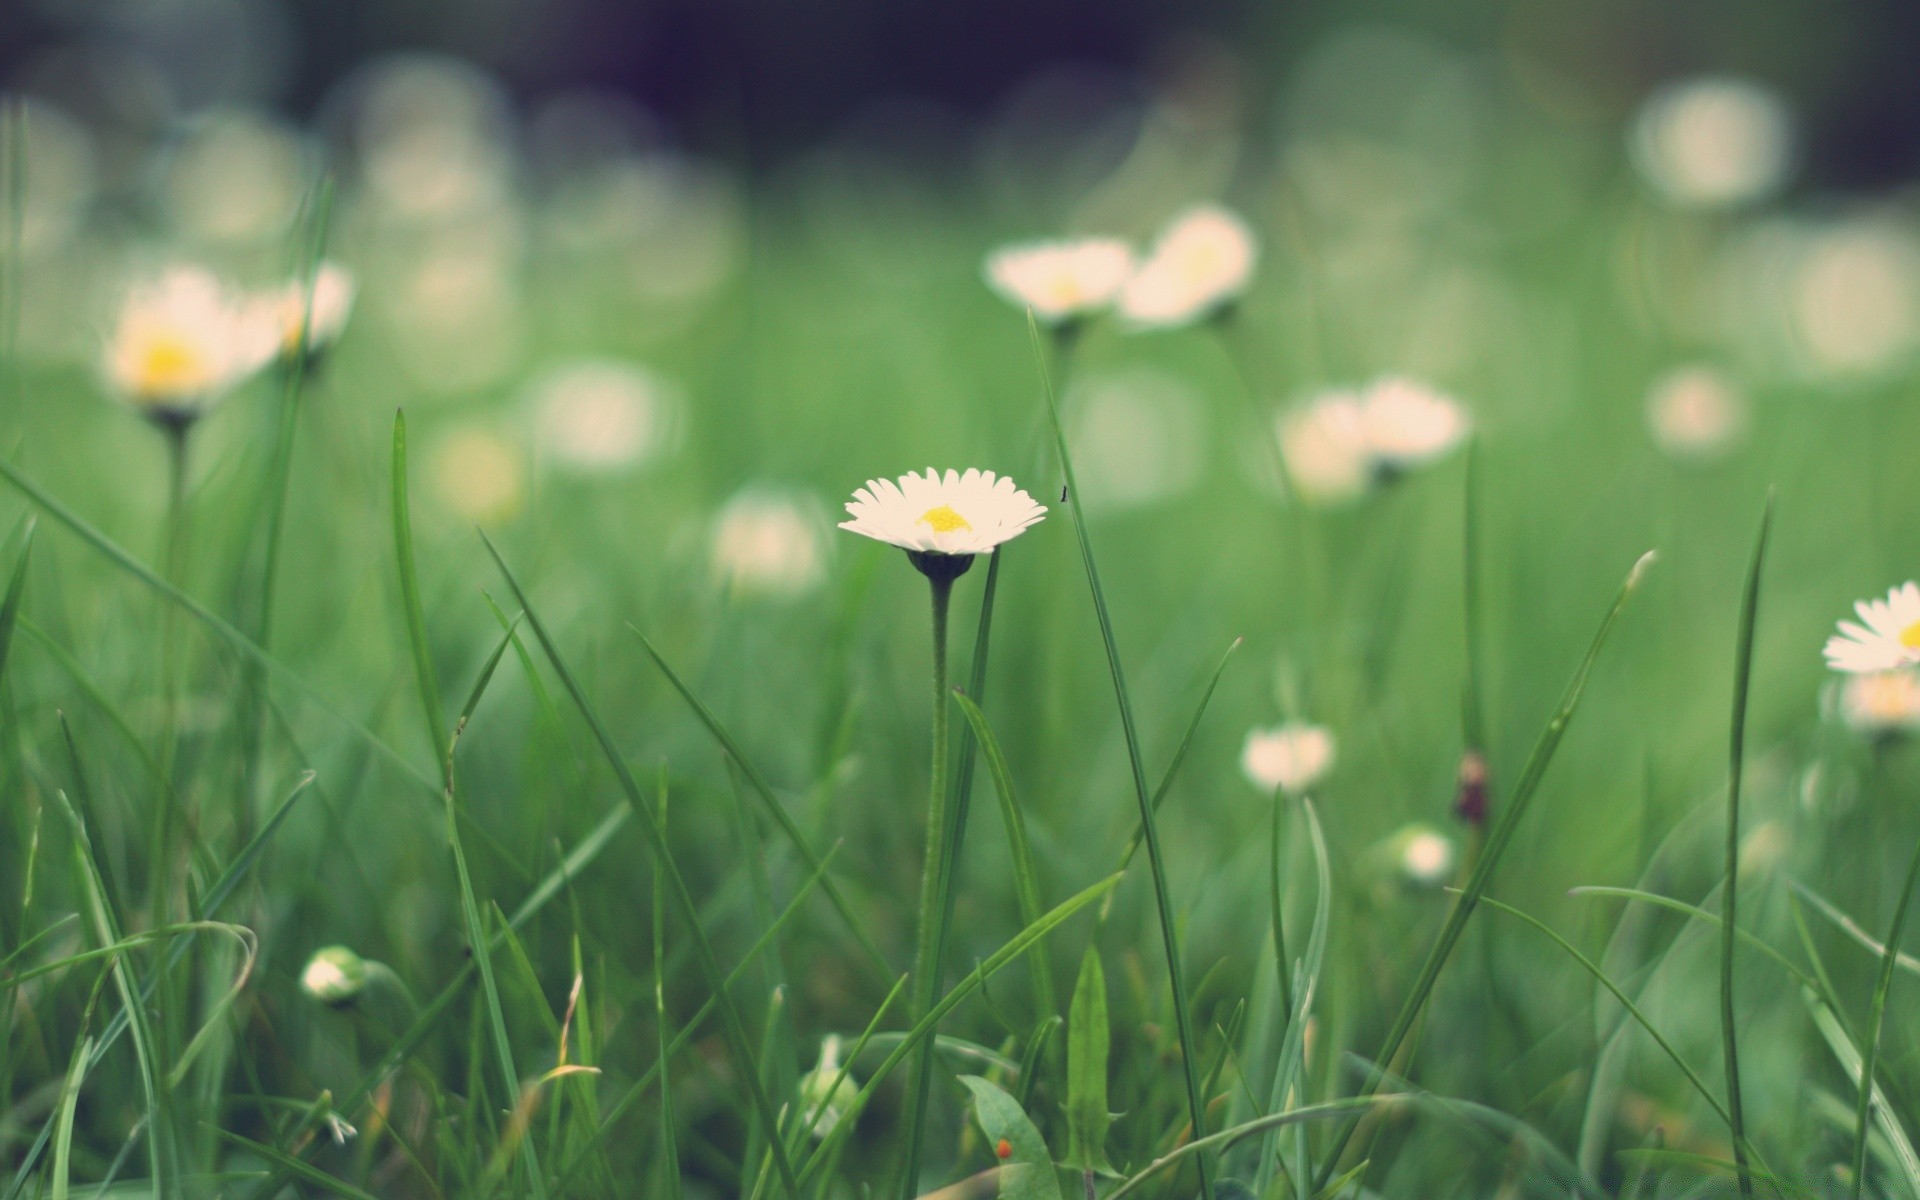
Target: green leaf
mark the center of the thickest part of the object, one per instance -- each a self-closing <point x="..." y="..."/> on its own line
<point x="1026" y="1171"/>
<point x="1088" y="1045"/>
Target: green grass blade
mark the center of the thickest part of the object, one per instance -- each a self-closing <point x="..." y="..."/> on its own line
<point x="1844" y="1052"/>
<point x="1180" y="752"/>
<point x="410" y="601"/>
<point x="1847" y="925"/>
<point x="16" y="589"/>
<point x="1742" y="678"/>
<point x="749" y="1069"/>
<point x="1088" y="1046"/>
<point x="1714" y="919"/>
<point x="1863" y="1106"/>
<point x="63" y="1127"/>
<point x="1529" y="783"/>
<point x="1026" y="876"/>
<point x="1227" y="1137"/>
<point x="305" y="1172"/>
<point x="1169" y="934"/>
<point x="238" y="641"/>
<point x="771" y="802"/>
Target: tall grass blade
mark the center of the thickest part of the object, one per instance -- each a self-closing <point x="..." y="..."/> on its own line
<point x="16" y="590"/>
<point x="1169" y="934"/>
<point x="1026" y="875"/>
<point x="1482" y="875"/>
<point x="742" y="1049"/>
<point x="1742" y="678"/>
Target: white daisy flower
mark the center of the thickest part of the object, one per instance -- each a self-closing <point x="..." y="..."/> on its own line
<point x="335" y="976"/>
<point x="1408" y="423"/>
<point x="1061" y="280"/>
<point x="1202" y="261"/>
<point x="182" y="341"/>
<point x="1889" y="637"/>
<point x="285" y="309"/>
<point x="935" y="516"/>
<point x="600" y="416"/>
<point x="1291" y="757"/>
<point x="1324" y="445"/>
<point x="1695" y="412"/>
<point x="769" y="544"/>
<point x="478" y="475"/>
<point x="1881" y="702"/>
<point x="1426" y="855"/>
<point x="1714" y="143"/>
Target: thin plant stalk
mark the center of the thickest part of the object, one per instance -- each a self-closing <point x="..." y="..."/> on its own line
<point x="1169" y="934"/>
<point x="1870" y="1051"/>
<point x="1742" y="676"/>
<point x="935" y="883"/>
<point x="174" y="564"/>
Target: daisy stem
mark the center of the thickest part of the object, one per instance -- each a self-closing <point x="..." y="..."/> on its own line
<point x="174" y="564"/>
<point x="935" y="883"/>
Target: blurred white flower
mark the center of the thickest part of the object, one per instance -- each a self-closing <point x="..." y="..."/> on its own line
<point x="1063" y="279"/>
<point x="769" y="544"/>
<point x="183" y="340"/>
<point x="601" y="415"/>
<point x="1408" y="424"/>
<point x="826" y="1092"/>
<point x="236" y="176"/>
<point x="285" y="307"/>
<point x="1138" y="437"/>
<point x="1324" y="443"/>
<point x="1889" y="637"/>
<point x="334" y="976"/>
<point x="1695" y="412"/>
<point x="1713" y="143"/>
<point x="951" y="514"/>
<point x="1291" y="757"/>
<point x="478" y="475"/>
<point x="1201" y="262"/>
<point x="1425" y="855"/>
<point x="1856" y="297"/>
<point x="1881" y="702"/>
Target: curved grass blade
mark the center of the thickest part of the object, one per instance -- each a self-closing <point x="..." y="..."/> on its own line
<point x="1863" y="1107"/>
<point x="1026" y="876"/>
<point x="16" y="589"/>
<point x="1227" y="1137"/>
<point x="1169" y="934"/>
<point x="1838" y="1040"/>
<point x="1847" y="925"/>
<point x="1180" y="751"/>
<point x="1714" y="919"/>
<point x="1729" y="894"/>
<point x="648" y="822"/>
<point x="764" y="790"/>
<point x="1524" y="790"/>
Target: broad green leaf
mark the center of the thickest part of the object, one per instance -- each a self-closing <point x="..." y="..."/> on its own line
<point x="1087" y="1048"/>
<point x="1026" y="1169"/>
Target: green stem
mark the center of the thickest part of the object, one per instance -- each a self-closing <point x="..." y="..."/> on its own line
<point x="935" y="882"/>
<point x="1742" y="678"/>
<point x="174" y="564"/>
<point x="1871" y="1050"/>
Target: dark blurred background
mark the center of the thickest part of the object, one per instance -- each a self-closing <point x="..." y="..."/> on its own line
<point x="759" y="79"/>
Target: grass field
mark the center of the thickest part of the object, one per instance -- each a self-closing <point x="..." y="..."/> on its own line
<point x="220" y="758"/>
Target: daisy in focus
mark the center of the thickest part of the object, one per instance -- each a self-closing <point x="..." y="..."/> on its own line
<point x="1887" y="638"/>
<point x="1289" y="758"/>
<point x="1061" y="281"/>
<point x="285" y="310"/>
<point x="182" y="341"/>
<point x="942" y="521"/>
<point x="1201" y="263"/>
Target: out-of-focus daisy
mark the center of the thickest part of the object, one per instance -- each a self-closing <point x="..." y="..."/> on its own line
<point x="479" y="475"/>
<point x="1713" y="143"/>
<point x="1695" y="412"/>
<point x="1888" y="637"/>
<point x="1408" y="424"/>
<point x="1138" y="437"/>
<point x="768" y="543"/>
<point x="1290" y="758"/>
<point x="335" y="976"/>
<point x="1881" y="702"/>
<point x="825" y="1091"/>
<point x="1324" y="444"/>
<point x="1424" y="855"/>
<point x="285" y="308"/>
<point x="599" y="415"/>
<point x="1202" y="261"/>
<point x="941" y="521"/>
<point x="182" y="341"/>
<point x="1061" y="280"/>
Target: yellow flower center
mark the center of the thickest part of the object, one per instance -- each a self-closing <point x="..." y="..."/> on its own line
<point x="945" y="520"/>
<point x="1909" y="637"/>
<point x="171" y="365"/>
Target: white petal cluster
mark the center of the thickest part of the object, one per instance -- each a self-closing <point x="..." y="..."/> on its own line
<point x="1695" y="412"/>
<point x="1881" y="702"/>
<point x="1339" y="444"/>
<point x="599" y="416"/>
<point x="284" y="309"/>
<point x="769" y="544"/>
<point x="1887" y="637"/>
<point x="1202" y="261"/>
<point x="954" y="513"/>
<point x="1290" y="758"/>
<point x="1061" y="280"/>
<point x="183" y="340"/>
<point x="1713" y="143"/>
